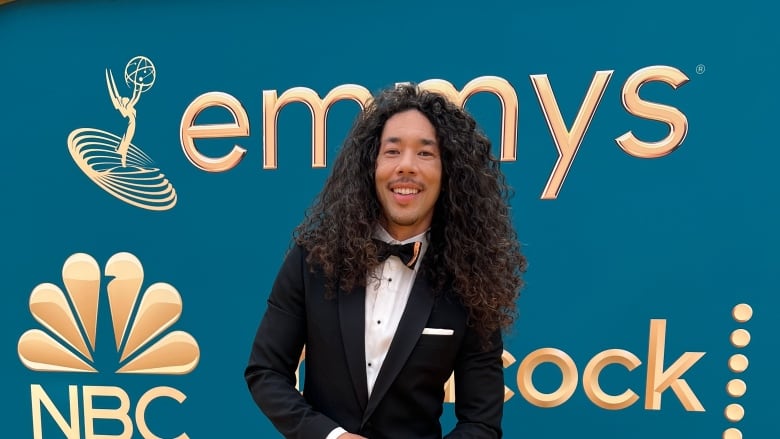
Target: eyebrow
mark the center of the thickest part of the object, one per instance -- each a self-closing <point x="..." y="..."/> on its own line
<point x="396" y="139"/>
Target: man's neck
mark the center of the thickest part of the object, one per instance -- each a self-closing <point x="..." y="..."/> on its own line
<point x="380" y="232"/>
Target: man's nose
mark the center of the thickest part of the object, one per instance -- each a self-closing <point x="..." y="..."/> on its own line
<point x="407" y="162"/>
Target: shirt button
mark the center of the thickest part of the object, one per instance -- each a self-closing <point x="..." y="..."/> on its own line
<point x="378" y="322"/>
<point x="369" y="364"/>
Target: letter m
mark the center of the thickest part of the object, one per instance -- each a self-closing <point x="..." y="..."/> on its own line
<point x="492" y="84"/>
<point x="272" y="105"/>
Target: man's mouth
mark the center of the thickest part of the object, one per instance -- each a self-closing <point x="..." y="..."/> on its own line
<point x="405" y="191"/>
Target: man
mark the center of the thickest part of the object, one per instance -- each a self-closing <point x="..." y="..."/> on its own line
<point x="383" y="331"/>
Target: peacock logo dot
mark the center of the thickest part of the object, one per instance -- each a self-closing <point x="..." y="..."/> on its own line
<point x="139" y="319"/>
<point x="114" y="163"/>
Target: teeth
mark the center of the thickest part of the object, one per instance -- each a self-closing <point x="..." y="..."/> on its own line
<point x="405" y="191"/>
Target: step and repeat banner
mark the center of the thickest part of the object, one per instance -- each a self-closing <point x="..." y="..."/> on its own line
<point x="159" y="154"/>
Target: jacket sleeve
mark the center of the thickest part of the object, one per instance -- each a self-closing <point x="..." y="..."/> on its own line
<point x="276" y="352"/>
<point x="479" y="389"/>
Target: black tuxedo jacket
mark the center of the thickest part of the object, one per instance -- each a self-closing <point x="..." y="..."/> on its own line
<point x="407" y="398"/>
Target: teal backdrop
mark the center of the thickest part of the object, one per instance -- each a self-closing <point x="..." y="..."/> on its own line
<point x="682" y="238"/>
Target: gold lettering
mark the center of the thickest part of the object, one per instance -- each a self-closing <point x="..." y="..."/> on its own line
<point x="568" y="383"/>
<point x="119" y="414"/>
<point x="449" y="389"/>
<point x="678" y="123"/>
<point x="319" y="110"/>
<point x="659" y="380"/>
<point x="146" y="399"/>
<point x="189" y="131"/>
<point x="491" y="84"/>
<point x="567" y="142"/>
<point x="39" y="396"/>
<point x="298" y="369"/>
<point x="590" y="379"/>
<point x="507" y="360"/>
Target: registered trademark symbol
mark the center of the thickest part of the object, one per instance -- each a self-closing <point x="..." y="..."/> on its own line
<point x="700" y="69"/>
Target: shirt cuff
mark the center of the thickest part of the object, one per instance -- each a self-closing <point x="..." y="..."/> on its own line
<point x="338" y="431"/>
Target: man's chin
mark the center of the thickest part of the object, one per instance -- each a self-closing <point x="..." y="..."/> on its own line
<point x="403" y="221"/>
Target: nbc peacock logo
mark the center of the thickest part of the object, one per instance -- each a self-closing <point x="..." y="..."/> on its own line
<point x="68" y="340"/>
<point x="74" y="329"/>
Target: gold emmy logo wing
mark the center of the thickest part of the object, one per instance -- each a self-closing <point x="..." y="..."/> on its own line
<point x="70" y="320"/>
<point x="114" y="163"/>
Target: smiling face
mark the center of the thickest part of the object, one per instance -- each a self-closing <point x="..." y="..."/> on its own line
<point x="408" y="174"/>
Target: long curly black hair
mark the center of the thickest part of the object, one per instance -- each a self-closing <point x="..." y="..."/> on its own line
<point x="473" y="247"/>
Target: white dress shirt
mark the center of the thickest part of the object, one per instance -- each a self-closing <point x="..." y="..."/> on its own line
<point x="387" y="290"/>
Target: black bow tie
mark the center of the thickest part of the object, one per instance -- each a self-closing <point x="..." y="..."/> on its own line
<point x="408" y="253"/>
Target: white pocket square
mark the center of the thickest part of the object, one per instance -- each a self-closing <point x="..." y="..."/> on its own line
<point x="437" y="331"/>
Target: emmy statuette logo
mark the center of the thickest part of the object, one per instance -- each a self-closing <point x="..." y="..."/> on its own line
<point x="116" y="164"/>
<point x="67" y="343"/>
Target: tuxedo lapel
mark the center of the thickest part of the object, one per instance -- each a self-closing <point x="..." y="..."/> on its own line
<point x="416" y="314"/>
<point x="352" y="320"/>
